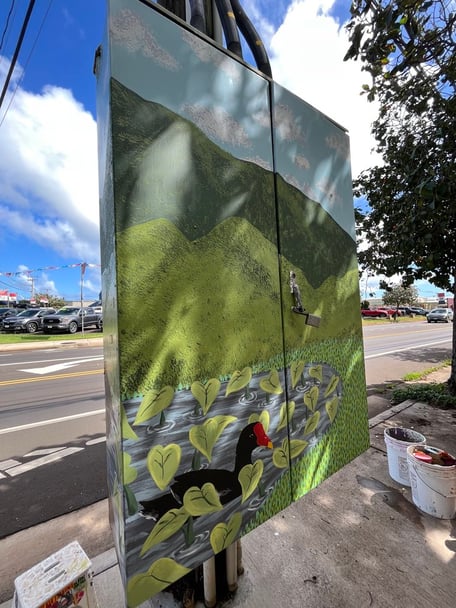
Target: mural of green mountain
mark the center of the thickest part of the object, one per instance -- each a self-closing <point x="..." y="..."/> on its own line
<point x="208" y="306"/>
<point x="206" y="181"/>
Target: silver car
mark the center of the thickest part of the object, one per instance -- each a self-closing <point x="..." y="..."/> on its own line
<point x="443" y="315"/>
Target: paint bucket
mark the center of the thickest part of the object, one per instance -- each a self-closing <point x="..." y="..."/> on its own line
<point x="433" y="487"/>
<point x="397" y="440"/>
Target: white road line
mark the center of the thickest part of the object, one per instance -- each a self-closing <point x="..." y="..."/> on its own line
<point x="7" y="464"/>
<point x="399" y="350"/>
<point x="43" y="452"/>
<point x="95" y="441"/>
<point x="79" y="359"/>
<point x="38" y="462"/>
<point x="51" y="369"/>
<point x="24" y="427"/>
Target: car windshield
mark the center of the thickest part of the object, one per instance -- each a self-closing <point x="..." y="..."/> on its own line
<point x="27" y="313"/>
<point x="439" y="311"/>
<point x="68" y="310"/>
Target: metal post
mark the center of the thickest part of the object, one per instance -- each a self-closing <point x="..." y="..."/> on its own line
<point x="231" y="567"/>
<point x="210" y="591"/>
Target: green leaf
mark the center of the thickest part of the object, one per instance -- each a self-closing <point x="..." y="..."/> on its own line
<point x="271" y="384"/>
<point x="166" y="526"/>
<point x="163" y="462"/>
<point x="311" y="397"/>
<point x="201" y="501"/>
<point x="332" y="385"/>
<point x="264" y="418"/>
<point x="205" y="394"/>
<point x="296" y="369"/>
<point x="280" y="456"/>
<point x="153" y="403"/>
<point x="312" y="423"/>
<point x="160" y="575"/>
<point x="238" y="380"/>
<point x="127" y="431"/>
<point x="316" y="372"/>
<point x="204" y="436"/>
<point x="132" y="503"/>
<point x="129" y="472"/>
<point x="286" y="413"/>
<point x="297" y="446"/>
<point x="224" y="535"/>
<point x="331" y="407"/>
<point x="249" y="478"/>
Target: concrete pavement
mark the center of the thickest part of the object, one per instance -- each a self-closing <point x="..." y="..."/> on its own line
<point x="355" y="541"/>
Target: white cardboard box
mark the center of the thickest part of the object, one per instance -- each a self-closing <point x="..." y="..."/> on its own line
<point x="59" y="581"/>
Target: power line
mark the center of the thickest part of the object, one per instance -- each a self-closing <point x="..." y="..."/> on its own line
<point x="16" y="50"/>
<point x="5" y="29"/>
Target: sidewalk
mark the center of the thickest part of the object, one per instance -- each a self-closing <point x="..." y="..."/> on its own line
<point x="355" y="541"/>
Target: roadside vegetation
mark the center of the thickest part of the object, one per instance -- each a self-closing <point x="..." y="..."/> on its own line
<point x="436" y="394"/>
<point x="32" y="338"/>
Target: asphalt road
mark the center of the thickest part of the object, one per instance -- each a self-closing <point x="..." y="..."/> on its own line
<point x="52" y="422"/>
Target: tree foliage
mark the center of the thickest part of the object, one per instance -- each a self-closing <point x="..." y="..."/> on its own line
<point x="398" y="295"/>
<point x="407" y="211"/>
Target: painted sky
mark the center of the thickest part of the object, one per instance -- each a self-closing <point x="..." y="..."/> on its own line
<point x="48" y="137"/>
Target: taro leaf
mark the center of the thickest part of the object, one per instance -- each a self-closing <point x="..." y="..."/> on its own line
<point x="203" y="436"/>
<point x="316" y="372"/>
<point x="205" y="394"/>
<point x="224" y="535"/>
<point x="312" y="423"/>
<point x="271" y="384"/>
<point x="127" y="431"/>
<point x="166" y="526"/>
<point x="200" y="501"/>
<point x="129" y="472"/>
<point x="331" y="407"/>
<point x="332" y="385"/>
<point x="163" y="462"/>
<point x="132" y="503"/>
<point x="238" y="380"/>
<point x="280" y="456"/>
<point x="153" y="403"/>
<point x="160" y="575"/>
<point x="311" y="397"/>
<point x="264" y="418"/>
<point x="297" y="446"/>
<point x="286" y="413"/>
<point x="249" y="477"/>
<point x="296" y="369"/>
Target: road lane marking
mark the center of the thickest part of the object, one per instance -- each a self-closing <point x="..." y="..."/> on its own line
<point x="32" y="425"/>
<point x="43" y="452"/>
<point x="95" y="441"/>
<point x="79" y="359"/>
<point x="56" y="377"/>
<point x="399" y="350"/>
<point x="7" y="464"/>
<point x="38" y="462"/>
<point x="51" y="368"/>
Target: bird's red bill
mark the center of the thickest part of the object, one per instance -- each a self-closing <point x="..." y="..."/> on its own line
<point x="262" y="438"/>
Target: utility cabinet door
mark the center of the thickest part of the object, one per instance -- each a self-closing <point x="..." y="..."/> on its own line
<point x="198" y="443"/>
<point x="319" y="276"/>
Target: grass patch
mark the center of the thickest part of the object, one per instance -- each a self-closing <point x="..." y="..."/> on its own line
<point x="33" y="338"/>
<point x="435" y="394"/>
<point x="419" y="375"/>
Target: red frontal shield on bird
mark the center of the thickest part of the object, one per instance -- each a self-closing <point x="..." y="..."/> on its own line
<point x="262" y="438"/>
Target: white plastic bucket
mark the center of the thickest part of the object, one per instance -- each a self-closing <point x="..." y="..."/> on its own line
<point x="397" y="440"/>
<point x="433" y="487"/>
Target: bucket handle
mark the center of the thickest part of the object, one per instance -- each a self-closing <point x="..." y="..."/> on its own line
<point x="430" y="487"/>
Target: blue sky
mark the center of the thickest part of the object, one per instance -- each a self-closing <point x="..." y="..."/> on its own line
<point x="48" y="145"/>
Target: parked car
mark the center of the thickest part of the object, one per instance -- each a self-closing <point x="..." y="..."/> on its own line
<point x="70" y="319"/>
<point x="442" y="315"/>
<point x="7" y="312"/>
<point x="29" y="320"/>
<point x="377" y="312"/>
<point x="417" y="310"/>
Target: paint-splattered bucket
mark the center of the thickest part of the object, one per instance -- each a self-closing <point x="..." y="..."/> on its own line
<point x="433" y="487"/>
<point x="397" y="440"/>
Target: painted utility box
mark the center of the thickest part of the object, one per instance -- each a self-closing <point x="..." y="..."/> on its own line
<point x="233" y="347"/>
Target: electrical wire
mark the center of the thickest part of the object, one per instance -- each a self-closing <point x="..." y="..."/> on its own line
<point x="27" y="60"/>
<point x="5" y="29"/>
<point x="17" y="49"/>
<point x="252" y="38"/>
<point x="229" y="26"/>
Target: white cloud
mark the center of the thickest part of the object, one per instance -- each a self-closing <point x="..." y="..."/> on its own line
<point x="48" y="163"/>
<point x="307" y="58"/>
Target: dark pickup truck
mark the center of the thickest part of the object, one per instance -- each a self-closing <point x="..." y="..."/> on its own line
<point x="71" y="319"/>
